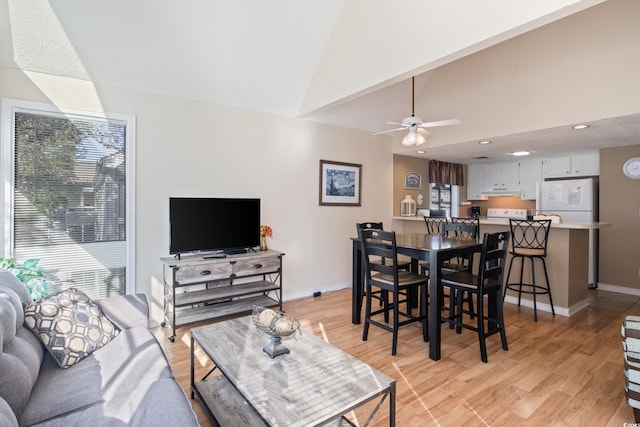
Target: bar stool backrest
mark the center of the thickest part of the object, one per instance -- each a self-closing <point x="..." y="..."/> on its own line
<point x="435" y="225"/>
<point x="469" y="228"/>
<point x="530" y="237"/>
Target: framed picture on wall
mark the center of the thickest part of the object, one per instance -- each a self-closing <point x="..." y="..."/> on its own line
<point x="340" y="183"/>
<point x="413" y="181"/>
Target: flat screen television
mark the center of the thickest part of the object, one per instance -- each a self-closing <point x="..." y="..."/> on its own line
<point x="210" y="224"/>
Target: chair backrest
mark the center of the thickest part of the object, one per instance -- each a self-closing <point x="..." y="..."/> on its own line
<point x="379" y="252"/>
<point x="469" y="228"/>
<point x="461" y="231"/>
<point x="435" y="225"/>
<point x="531" y="235"/>
<point x="367" y="225"/>
<point x="492" y="258"/>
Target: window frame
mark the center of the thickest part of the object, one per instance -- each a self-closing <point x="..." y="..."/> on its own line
<point x="7" y="171"/>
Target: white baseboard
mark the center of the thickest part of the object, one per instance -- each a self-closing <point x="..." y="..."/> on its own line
<point x="562" y="311"/>
<point x="619" y="289"/>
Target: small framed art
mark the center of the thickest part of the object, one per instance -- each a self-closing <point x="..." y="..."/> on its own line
<point x="340" y="183"/>
<point x="413" y="181"/>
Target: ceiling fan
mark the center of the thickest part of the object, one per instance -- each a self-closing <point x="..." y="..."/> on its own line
<point x="414" y="124"/>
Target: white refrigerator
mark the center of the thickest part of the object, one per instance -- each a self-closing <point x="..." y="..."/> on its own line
<point x="575" y="200"/>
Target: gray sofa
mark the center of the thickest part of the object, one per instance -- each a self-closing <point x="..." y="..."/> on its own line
<point x="126" y="382"/>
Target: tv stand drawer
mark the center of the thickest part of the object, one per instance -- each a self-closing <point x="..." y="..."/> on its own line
<point x="203" y="272"/>
<point x="255" y="266"/>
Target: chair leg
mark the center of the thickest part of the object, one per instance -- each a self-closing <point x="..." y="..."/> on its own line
<point x="534" y="290"/>
<point x="503" y="332"/>
<point x="546" y="275"/>
<point x="367" y="315"/>
<point x="396" y="320"/>
<point x="481" y="334"/>
<point x="424" y="304"/>
<point x="458" y="316"/>
<point x="508" y="276"/>
<point x="453" y="297"/>
<point x="521" y="279"/>
<point x="470" y="304"/>
<point x="384" y="296"/>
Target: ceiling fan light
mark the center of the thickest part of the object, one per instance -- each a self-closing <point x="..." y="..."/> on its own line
<point x="413" y="138"/>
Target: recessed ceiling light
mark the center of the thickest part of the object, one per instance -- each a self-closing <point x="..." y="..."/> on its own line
<point x="521" y="153"/>
<point x="485" y="142"/>
<point x="579" y="127"/>
<point x="420" y="151"/>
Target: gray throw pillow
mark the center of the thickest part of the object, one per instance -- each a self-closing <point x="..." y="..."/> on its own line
<point x="70" y="325"/>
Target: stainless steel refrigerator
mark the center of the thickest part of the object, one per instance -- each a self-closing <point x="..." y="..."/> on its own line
<point x="575" y="200"/>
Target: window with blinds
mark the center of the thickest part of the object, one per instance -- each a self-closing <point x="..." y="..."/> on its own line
<point x="69" y="204"/>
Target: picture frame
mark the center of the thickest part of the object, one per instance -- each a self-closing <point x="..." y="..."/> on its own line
<point x="340" y="183"/>
<point x="413" y="181"/>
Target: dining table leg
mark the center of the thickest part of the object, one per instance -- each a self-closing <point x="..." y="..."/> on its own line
<point x="435" y="302"/>
<point x="357" y="284"/>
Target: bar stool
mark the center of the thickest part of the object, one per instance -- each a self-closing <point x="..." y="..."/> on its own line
<point x="529" y="239"/>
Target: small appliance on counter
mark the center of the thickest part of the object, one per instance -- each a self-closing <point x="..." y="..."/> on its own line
<point x="475" y="211"/>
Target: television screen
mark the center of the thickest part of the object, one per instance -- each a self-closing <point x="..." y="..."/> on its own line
<point x="207" y="224"/>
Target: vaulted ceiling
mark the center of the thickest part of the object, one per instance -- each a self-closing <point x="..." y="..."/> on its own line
<point x="341" y="62"/>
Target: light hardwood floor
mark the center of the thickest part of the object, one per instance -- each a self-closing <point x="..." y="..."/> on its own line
<point x="560" y="371"/>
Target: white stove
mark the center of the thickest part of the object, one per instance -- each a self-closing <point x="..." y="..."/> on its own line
<point x="497" y="213"/>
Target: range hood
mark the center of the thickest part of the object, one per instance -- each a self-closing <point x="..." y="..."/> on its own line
<point x="500" y="191"/>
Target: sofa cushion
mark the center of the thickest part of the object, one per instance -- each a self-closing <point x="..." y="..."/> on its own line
<point x="12" y="298"/>
<point x="159" y="403"/>
<point x="131" y="359"/>
<point x="20" y="355"/>
<point x="70" y="325"/>
<point x="7" y="417"/>
<point x="126" y="311"/>
<point x="10" y="281"/>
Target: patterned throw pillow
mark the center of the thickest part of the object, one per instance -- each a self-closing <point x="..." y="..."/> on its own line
<point x="70" y="325"/>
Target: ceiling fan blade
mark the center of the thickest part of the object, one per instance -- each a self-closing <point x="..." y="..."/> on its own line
<point x="395" y="123"/>
<point x="390" y="130"/>
<point x="440" y="123"/>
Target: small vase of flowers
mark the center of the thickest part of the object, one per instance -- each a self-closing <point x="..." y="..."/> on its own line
<point x="265" y="231"/>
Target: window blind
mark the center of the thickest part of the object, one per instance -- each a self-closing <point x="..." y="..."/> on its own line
<point x="69" y="205"/>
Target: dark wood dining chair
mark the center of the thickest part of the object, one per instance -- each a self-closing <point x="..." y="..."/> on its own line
<point x="382" y="295"/>
<point x="382" y="272"/>
<point x="488" y="281"/>
<point x="460" y="228"/>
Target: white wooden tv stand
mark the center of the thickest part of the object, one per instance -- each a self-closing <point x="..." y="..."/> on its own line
<point x="198" y="289"/>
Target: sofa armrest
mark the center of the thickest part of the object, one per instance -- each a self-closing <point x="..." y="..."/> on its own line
<point x="126" y="311"/>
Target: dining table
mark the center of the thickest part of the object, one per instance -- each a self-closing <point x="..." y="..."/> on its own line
<point x="419" y="247"/>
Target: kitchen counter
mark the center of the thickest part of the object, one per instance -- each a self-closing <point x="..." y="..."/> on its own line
<point x="567" y="261"/>
<point x="503" y="221"/>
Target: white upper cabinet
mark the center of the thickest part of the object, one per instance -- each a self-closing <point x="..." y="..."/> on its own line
<point x="502" y="177"/>
<point x="474" y="182"/>
<point x="578" y="164"/>
<point x="530" y="174"/>
<point x="585" y="164"/>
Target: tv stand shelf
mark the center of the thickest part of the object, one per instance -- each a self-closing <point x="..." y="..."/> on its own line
<point x="198" y="290"/>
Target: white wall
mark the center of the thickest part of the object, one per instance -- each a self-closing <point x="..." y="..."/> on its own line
<point x="190" y="148"/>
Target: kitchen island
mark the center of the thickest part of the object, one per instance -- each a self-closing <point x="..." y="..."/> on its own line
<point x="567" y="260"/>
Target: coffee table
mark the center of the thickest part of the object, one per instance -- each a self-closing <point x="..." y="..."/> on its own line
<point x="316" y="384"/>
